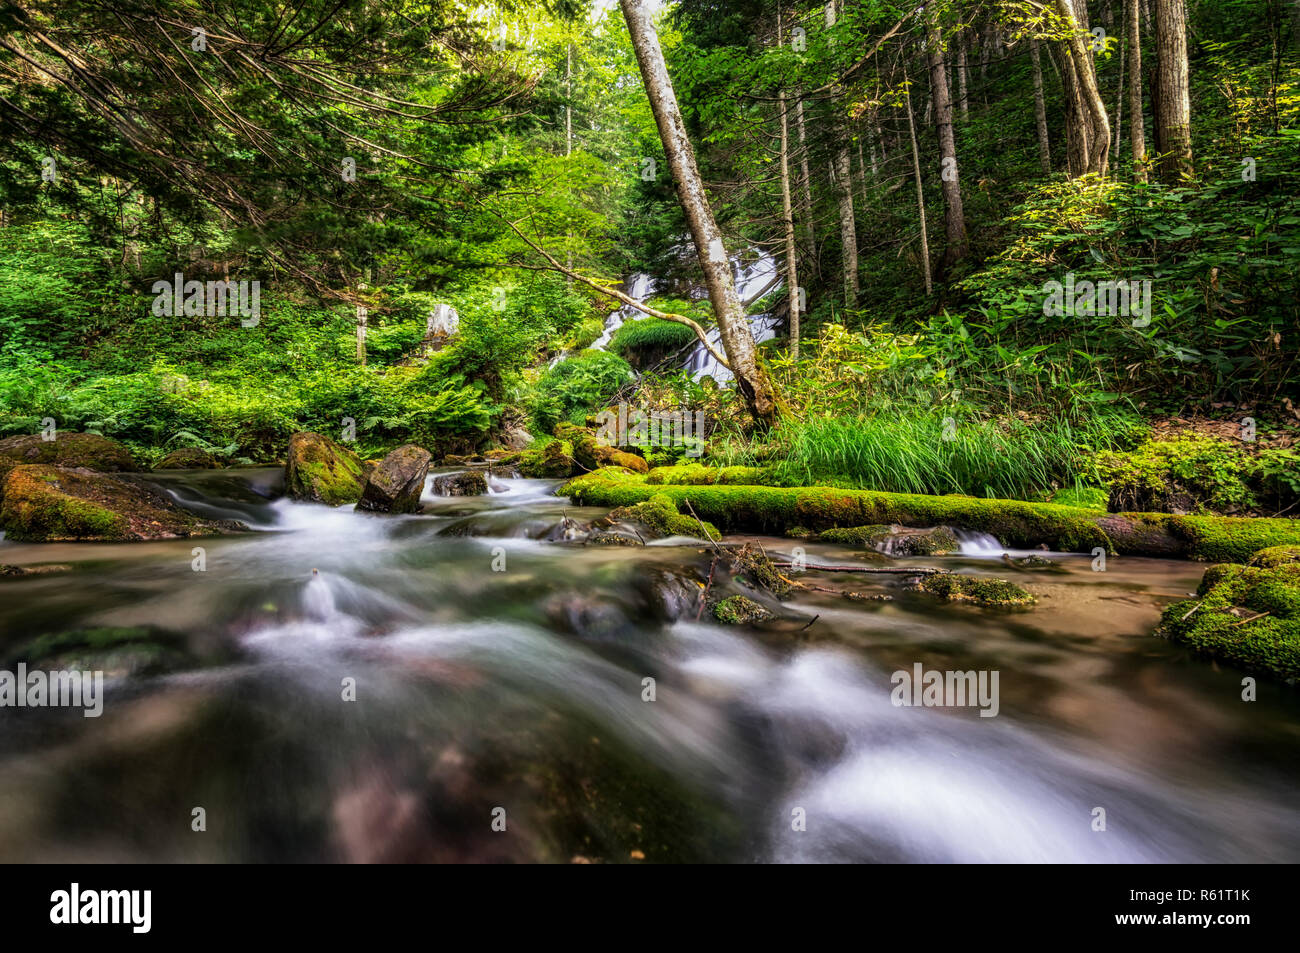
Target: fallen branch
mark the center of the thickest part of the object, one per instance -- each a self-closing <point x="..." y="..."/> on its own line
<point x="888" y="570"/>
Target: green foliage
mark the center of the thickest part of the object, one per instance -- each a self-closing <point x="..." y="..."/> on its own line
<point x="574" y="387"/>
<point x="1196" y="472"/>
<point x="647" y="341"/>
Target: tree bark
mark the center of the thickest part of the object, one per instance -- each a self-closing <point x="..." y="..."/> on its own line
<point x="787" y="218"/>
<point x="1040" y="111"/>
<point x="1089" y="119"/>
<point x="842" y="177"/>
<point x="920" y="194"/>
<point x="962" y="99"/>
<point x="742" y="355"/>
<point x="1174" y="126"/>
<point x="1136" y="121"/>
<point x="954" y="218"/>
<point x="805" y="183"/>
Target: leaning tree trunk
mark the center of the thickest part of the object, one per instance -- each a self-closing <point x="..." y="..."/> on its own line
<point x="1173" y="106"/>
<point x="920" y="193"/>
<point x="1040" y="111"/>
<point x="805" y="184"/>
<point x="751" y="378"/>
<point x="954" y="217"/>
<point x="1136" y="122"/>
<point x="1089" y="112"/>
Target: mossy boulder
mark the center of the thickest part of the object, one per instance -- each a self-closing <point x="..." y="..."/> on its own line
<point x="319" y="470"/>
<point x="395" y="485"/>
<point x="897" y="540"/>
<point x="591" y="454"/>
<point x="660" y="514"/>
<point x="696" y="474"/>
<point x="554" y="461"/>
<point x="188" y="458"/>
<point x="1017" y="524"/>
<point x="464" y="483"/>
<point x="978" y="590"/>
<point x="741" y="610"/>
<point x="43" y="503"/>
<point x="1247" y="616"/>
<point x="88" y="451"/>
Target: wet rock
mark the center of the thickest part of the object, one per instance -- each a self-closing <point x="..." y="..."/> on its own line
<point x="188" y="458"/>
<point x="869" y="596"/>
<point x="754" y="565"/>
<point x="551" y="462"/>
<point x="660" y="515"/>
<point x="43" y="503"/>
<point x="741" y="610"/>
<point x="567" y="530"/>
<point x="671" y="595"/>
<point x="465" y="483"/>
<point x="40" y="569"/>
<point x="319" y="470"/>
<point x="114" y="650"/>
<point x="1031" y="562"/>
<point x="86" y="450"/>
<point x="613" y="537"/>
<point x="395" y="485"/>
<point x="977" y="590"/>
<point x="895" y="540"/>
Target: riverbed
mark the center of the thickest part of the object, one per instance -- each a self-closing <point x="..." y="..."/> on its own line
<point x="449" y="686"/>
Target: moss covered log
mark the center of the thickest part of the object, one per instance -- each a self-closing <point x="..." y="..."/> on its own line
<point x="776" y="510"/>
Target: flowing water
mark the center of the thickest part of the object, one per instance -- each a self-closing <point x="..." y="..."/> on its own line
<point x="500" y="676"/>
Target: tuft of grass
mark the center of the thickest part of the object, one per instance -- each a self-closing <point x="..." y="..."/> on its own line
<point x="911" y="451"/>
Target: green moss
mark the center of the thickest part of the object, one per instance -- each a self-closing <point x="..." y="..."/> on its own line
<point x="661" y="515"/>
<point x="1276" y="556"/>
<point x="696" y="474"/>
<point x="856" y="535"/>
<point x="36" y="510"/>
<point x="977" y="590"/>
<point x="1233" y="538"/>
<point x="775" y="510"/>
<point x="553" y="460"/>
<point x="87" y="450"/>
<point x="741" y="610"/>
<point x="1186" y="472"/>
<point x="1243" y="615"/>
<point x="323" y="471"/>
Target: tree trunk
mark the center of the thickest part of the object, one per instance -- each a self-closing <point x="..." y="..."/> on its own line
<point x="954" y="218"/>
<point x="962" y="99"/>
<point x="1088" y="119"/>
<point x="751" y="377"/>
<point x="842" y="177"/>
<point x="805" y="184"/>
<point x="787" y="217"/>
<point x="1119" y="100"/>
<point x="920" y="195"/>
<point x="1136" y="121"/>
<point x="1040" y="111"/>
<point x="1174" y="128"/>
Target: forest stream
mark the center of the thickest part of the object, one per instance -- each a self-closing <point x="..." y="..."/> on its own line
<point x="499" y="682"/>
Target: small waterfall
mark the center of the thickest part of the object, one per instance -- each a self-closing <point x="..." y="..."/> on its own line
<point x="978" y="544"/>
<point x="640" y="287"/>
<point x="751" y="282"/>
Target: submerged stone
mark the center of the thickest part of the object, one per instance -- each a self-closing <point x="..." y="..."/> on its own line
<point x="977" y="590"/>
